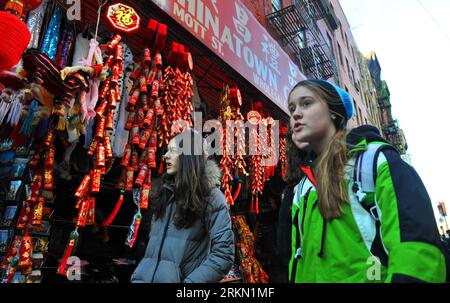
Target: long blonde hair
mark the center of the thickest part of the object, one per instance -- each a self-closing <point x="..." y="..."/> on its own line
<point x="329" y="172"/>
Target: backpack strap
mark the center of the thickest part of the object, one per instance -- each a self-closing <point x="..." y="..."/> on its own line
<point x="364" y="181"/>
<point x="365" y="174"/>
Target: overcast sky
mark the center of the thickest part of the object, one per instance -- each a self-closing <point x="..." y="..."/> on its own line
<point x="412" y="42"/>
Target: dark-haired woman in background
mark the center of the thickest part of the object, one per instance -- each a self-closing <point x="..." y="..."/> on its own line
<point x="191" y="239"/>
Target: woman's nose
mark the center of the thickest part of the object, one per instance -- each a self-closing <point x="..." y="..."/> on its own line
<point x="297" y="114"/>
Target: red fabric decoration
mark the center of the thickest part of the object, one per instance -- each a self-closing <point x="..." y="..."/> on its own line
<point x="14" y="39"/>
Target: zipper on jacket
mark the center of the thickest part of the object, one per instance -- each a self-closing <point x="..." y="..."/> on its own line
<point x="305" y="200"/>
<point x="297" y="247"/>
<point x="171" y="205"/>
<point x="299" y="233"/>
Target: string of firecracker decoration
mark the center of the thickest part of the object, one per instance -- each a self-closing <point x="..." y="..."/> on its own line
<point x="100" y="147"/>
<point x="256" y="169"/>
<point x="239" y="162"/>
<point x="19" y="255"/>
<point x="252" y="269"/>
<point x="232" y="164"/>
<point x="177" y="104"/>
<point x="226" y="163"/>
<point x="269" y="152"/>
<point x="140" y="152"/>
<point x="283" y="160"/>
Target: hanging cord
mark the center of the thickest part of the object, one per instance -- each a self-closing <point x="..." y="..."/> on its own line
<point x="99" y="11"/>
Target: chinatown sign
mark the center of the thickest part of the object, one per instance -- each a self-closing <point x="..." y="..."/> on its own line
<point x="230" y="30"/>
<point x="123" y="17"/>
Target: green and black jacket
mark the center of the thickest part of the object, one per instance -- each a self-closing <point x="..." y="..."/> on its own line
<point x="404" y="246"/>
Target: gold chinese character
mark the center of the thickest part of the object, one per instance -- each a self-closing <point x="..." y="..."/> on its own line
<point x="124" y="16"/>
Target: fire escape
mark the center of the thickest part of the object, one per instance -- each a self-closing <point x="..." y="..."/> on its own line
<point x="296" y="26"/>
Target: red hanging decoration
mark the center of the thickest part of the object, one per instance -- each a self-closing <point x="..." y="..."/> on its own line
<point x="123" y="18"/>
<point x="14" y="39"/>
<point x="283" y="159"/>
<point x="256" y="169"/>
<point x="25" y="253"/>
<point x="116" y="209"/>
<point x="68" y="252"/>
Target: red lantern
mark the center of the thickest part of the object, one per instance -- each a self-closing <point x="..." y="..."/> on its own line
<point x="14" y="39"/>
<point x="123" y="18"/>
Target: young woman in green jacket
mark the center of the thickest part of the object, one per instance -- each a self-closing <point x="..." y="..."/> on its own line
<point x="344" y="230"/>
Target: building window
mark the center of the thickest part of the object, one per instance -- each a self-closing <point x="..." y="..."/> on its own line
<point x="330" y="42"/>
<point x="301" y="39"/>
<point x="346" y="41"/>
<point x="357" y="113"/>
<point x="277" y="5"/>
<point x="354" y="80"/>
<point x="340" y="28"/>
<point x="360" y="115"/>
<point x="340" y="53"/>
<point x="348" y="69"/>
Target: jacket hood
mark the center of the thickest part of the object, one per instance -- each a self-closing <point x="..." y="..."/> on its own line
<point x="368" y="133"/>
<point x="212" y="174"/>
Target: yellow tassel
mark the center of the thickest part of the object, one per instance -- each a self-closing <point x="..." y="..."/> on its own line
<point x="61" y="125"/>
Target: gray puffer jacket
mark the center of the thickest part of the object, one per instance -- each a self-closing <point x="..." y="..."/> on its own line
<point x="203" y="253"/>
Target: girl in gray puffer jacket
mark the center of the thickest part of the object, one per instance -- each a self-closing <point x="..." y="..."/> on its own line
<point x="191" y="238"/>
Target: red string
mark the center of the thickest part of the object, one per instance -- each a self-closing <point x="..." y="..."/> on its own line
<point x="112" y="216"/>
<point x="236" y="194"/>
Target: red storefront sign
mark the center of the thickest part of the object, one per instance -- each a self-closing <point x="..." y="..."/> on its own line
<point x="230" y="30"/>
<point x="123" y="17"/>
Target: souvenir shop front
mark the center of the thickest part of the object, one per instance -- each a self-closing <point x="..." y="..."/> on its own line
<point x="89" y="99"/>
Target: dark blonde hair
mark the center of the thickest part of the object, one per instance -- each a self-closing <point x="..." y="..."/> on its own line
<point x="329" y="167"/>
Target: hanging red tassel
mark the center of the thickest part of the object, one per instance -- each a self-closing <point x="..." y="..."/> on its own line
<point x="236" y="194"/>
<point x="252" y="206"/>
<point x="257" y="205"/>
<point x="68" y="252"/>
<point x="112" y="216"/>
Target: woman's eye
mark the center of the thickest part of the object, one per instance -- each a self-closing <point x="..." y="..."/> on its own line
<point x="291" y="108"/>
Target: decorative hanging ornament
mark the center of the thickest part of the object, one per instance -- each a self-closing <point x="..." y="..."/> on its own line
<point x="254" y="117"/>
<point x="123" y="18"/>
<point x="235" y="97"/>
<point x="14" y="39"/>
